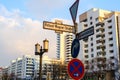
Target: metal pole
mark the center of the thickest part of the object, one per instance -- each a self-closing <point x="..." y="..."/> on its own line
<point x="40" y="68"/>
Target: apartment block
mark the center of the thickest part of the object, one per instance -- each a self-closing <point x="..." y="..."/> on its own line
<point x="102" y="49"/>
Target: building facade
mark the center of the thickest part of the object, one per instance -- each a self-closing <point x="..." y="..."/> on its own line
<point x="100" y="51"/>
<point x="64" y="42"/>
<point x="22" y="68"/>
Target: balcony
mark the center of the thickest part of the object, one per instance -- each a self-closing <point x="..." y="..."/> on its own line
<point x="101" y="40"/>
<point x="100" y="24"/>
<point x="101" y="53"/>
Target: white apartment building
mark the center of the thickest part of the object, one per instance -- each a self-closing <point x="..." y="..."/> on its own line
<point x="64" y="42"/>
<point x="103" y="47"/>
<point x="22" y="68"/>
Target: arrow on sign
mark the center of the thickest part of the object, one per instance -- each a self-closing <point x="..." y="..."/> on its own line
<point x="73" y="10"/>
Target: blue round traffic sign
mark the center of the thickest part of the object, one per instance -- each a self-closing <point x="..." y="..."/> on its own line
<point x="76" y="69"/>
<point x="75" y="48"/>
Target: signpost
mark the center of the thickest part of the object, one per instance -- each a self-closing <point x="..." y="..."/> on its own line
<point x="76" y="69"/>
<point x="58" y="27"/>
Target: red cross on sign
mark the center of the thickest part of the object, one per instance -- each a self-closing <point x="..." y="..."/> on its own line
<point x="76" y="69"/>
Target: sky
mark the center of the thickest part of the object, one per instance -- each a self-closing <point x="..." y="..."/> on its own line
<point x="21" y="24"/>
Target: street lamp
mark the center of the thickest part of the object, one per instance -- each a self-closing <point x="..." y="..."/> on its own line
<point x="39" y="51"/>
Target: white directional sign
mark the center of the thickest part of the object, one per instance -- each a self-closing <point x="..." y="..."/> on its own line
<point x="58" y="27"/>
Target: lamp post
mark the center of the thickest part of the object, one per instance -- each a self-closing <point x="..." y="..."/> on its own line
<point x="40" y="51"/>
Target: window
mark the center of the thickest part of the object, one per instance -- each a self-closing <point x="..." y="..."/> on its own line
<point x="90" y="17"/>
<point x="86" y="56"/>
<point x="86" y="62"/>
<point x="92" y="49"/>
<point x="109" y="21"/>
<point x="98" y="35"/>
<point x="86" y="45"/>
<point x="85" y="25"/>
<point x="111" y="51"/>
<point x="91" y="38"/>
<point x="112" y="57"/>
<point x="109" y="27"/>
<point x="86" y="51"/>
<point x="97" y="30"/>
<point x="98" y="47"/>
<point x="111" y="45"/>
<point x="91" y="44"/>
<point x="92" y="55"/>
<point x="110" y="39"/>
<point x="91" y="23"/>
<point x="109" y="33"/>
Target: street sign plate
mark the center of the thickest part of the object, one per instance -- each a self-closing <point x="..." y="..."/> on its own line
<point x="75" y="48"/>
<point x="58" y="27"/>
<point x="73" y="10"/>
<point x="76" y="69"/>
<point x="86" y="33"/>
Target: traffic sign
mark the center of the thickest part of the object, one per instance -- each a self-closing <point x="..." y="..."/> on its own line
<point x="75" y="48"/>
<point x="76" y="69"/>
<point x="73" y="10"/>
<point x="58" y="27"/>
<point x="86" y="33"/>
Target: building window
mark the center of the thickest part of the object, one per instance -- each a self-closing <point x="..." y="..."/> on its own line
<point x="92" y="49"/>
<point x="109" y="27"/>
<point x="86" y="45"/>
<point x="86" y="51"/>
<point x="98" y="47"/>
<point x="91" y="38"/>
<point x="91" y="23"/>
<point x="92" y="55"/>
<point x="85" y="25"/>
<point x="110" y="39"/>
<point x="98" y="35"/>
<point x="86" y="56"/>
<point x="109" y="21"/>
<point x="111" y="51"/>
<point x="86" y="62"/>
<point x="111" y="45"/>
<point x="91" y="44"/>
<point x="109" y="33"/>
<point x="112" y="57"/>
<point x="97" y="30"/>
<point x="90" y="17"/>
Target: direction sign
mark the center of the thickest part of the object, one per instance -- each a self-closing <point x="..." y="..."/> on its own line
<point x="75" y="48"/>
<point x="84" y="34"/>
<point x="73" y="10"/>
<point x="58" y="27"/>
<point x="76" y="69"/>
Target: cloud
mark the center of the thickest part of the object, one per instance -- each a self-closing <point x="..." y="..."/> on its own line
<point x="18" y="36"/>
